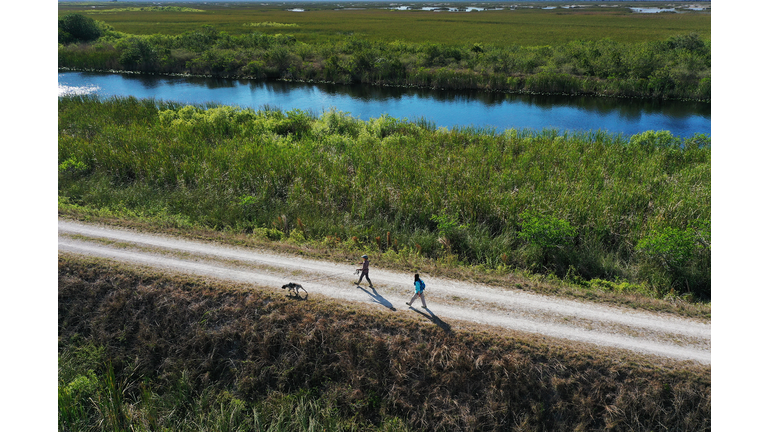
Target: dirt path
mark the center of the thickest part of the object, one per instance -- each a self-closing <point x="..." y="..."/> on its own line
<point x="447" y="300"/>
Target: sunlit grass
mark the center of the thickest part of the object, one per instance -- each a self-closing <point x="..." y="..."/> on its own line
<point x="525" y="27"/>
<point x="460" y="193"/>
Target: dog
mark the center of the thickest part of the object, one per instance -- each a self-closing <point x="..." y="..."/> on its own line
<point x="293" y="289"/>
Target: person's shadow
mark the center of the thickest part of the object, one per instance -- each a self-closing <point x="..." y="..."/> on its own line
<point x="435" y="319"/>
<point x="377" y="298"/>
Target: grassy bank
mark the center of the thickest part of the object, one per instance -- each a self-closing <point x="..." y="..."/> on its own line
<point x="593" y="208"/>
<point x="676" y="66"/>
<point x="145" y="351"/>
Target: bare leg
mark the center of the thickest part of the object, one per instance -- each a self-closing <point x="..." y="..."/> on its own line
<point x="413" y="299"/>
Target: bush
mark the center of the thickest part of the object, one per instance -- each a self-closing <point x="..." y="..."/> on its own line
<point x="679" y="257"/>
<point x="655" y="139"/>
<point x="73" y="168"/>
<point x="549" y="239"/>
<point x="138" y="53"/>
<point x="546" y="232"/>
<point x="690" y="42"/>
<point x="78" y="28"/>
<point x="670" y="247"/>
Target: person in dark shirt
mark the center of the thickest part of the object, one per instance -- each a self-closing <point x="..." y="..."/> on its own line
<point x="364" y="271"/>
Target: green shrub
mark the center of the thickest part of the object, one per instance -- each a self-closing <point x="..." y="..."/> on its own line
<point x="670" y="247"/>
<point x="679" y="258"/>
<point x="655" y="139"/>
<point x="546" y="232"/>
<point x="549" y="240"/>
<point x="273" y="234"/>
<point x="78" y="28"/>
<point x="138" y="53"/>
<point x="75" y="398"/>
<point x="73" y="168"/>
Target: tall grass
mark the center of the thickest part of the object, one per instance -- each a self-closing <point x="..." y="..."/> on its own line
<point x="593" y="205"/>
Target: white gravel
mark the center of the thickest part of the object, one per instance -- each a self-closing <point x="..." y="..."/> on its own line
<point x="642" y="332"/>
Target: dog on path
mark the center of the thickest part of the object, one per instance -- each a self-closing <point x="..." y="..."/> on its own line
<point x="293" y="290"/>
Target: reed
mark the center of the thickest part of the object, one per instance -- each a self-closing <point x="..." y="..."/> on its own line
<point x="491" y="195"/>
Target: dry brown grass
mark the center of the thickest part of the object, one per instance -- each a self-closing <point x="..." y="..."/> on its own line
<point x="435" y="376"/>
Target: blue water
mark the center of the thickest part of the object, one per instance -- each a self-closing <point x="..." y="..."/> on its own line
<point x="445" y="108"/>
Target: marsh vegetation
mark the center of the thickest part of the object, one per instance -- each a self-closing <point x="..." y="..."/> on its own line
<point x="583" y="206"/>
<point x="415" y="49"/>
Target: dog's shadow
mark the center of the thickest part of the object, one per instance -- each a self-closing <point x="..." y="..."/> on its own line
<point x="435" y="319"/>
<point x="377" y="298"/>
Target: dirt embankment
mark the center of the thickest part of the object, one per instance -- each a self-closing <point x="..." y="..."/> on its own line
<point x="370" y="362"/>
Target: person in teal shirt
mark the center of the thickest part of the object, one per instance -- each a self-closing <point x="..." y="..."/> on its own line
<point x="419" y="286"/>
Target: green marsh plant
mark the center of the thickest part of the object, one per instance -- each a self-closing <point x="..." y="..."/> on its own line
<point x="605" y="206"/>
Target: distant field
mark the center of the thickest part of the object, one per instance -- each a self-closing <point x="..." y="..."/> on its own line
<point x="526" y="27"/>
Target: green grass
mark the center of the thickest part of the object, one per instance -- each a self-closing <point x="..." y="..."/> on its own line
<point x="525" y="27"/>
<point x="580" y="206"/>
<point x="142" y="351"/>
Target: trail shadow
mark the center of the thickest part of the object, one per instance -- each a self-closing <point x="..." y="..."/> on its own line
<point x="377" y="298"/>
<point x="435" y="319"/>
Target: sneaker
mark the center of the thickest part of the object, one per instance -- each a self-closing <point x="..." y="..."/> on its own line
<point x="424" y="307"/>
<point x="407" y="303"/>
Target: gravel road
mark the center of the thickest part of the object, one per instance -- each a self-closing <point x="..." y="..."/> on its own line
<point x="447" y="300"/>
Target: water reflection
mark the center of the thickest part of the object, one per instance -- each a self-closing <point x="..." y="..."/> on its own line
<point x="155" y="82"/>
<point x="626" y="108"/>
<point x="444" y="108"/>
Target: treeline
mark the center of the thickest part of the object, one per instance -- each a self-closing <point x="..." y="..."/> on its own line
<point x="142" y="352"/>
<point x="676" y="68"/>
<point x="586" y="206"/>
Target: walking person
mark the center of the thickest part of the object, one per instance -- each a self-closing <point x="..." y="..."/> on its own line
<point x="419" y="286"/>
<point x="364" y="271"/>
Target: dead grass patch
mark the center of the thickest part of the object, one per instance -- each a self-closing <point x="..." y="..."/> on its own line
<point x="372" y="365"/>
